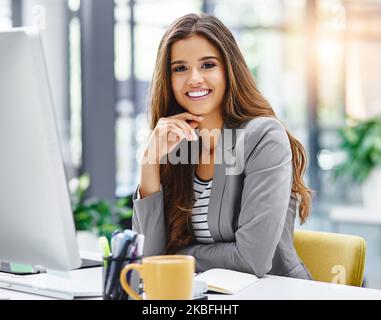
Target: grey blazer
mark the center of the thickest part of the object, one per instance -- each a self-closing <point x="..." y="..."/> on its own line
<point x="251" y="213"/>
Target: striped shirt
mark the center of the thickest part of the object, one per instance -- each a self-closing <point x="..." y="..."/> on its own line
<point x="201" y="192"/>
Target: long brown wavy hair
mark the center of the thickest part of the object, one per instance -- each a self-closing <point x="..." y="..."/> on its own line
<point x="242" y="102"/>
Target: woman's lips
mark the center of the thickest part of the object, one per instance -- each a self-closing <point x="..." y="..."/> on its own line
<point x="199" y="98"/>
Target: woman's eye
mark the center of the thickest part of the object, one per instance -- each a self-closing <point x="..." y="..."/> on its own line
<point x="208" y="65"/>
<point x="204" y="66"/>
<point x="179" y="69"/>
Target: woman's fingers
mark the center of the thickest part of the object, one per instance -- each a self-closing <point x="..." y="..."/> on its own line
<point x="177" y="130"/>
<point x="178" y="126"/>
<point x="165" y="123"/>
<point x="188" y="122"/>
<point x="193" y="124"/>
<point x="188" y="129"/>
<point x="171" y="131"/>
<point x="172" y="136"/>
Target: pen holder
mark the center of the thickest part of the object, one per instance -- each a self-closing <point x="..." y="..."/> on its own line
<point x="112" y="289"/>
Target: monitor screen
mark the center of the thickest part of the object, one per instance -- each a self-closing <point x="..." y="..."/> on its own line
<point x="36" y="221"/>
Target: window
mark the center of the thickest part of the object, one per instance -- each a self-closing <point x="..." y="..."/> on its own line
<point x="349" y="76"/>
<point x="75" y="83"/>
<point x="5" y="14"/>
<point x="271" y="36"/>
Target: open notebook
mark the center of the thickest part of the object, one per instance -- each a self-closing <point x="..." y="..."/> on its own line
<point x="226" y="281"/>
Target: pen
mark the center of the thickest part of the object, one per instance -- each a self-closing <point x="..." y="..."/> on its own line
<point x="114" y="234"/>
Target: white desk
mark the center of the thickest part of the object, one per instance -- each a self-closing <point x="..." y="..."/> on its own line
<point x="353" y="214"/>
<point x="272" y="288"/>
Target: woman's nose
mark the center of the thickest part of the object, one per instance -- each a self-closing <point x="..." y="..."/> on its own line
<point x="194" y="78"/>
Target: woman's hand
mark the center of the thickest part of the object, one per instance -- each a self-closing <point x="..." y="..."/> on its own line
<point x="168" y="133"/>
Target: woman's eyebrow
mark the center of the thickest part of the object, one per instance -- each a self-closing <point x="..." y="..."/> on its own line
<point x="201" y="59"/>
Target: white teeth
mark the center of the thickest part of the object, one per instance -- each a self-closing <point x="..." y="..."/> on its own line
<point x="198" y="93"/>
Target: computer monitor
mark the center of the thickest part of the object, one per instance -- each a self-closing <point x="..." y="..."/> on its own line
<point x="36" y="220"/>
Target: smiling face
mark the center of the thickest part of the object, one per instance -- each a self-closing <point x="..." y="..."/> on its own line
<point x="198" y="76"/>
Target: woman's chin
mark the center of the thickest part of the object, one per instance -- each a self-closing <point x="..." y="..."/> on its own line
<point x="198" y="111"/>
<point x="195" y="111"/>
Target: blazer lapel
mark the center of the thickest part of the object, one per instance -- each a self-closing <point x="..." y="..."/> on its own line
<point x="218" y="184"/>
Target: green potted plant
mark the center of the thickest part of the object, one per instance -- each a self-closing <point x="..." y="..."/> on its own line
<point x="361" y="143"/>
<point x="96" y="217"/>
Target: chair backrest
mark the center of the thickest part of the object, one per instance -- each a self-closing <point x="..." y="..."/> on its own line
<point x="332" y="257"/>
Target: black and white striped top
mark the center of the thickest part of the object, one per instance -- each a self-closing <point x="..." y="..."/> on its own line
<point x="201" y="192"/>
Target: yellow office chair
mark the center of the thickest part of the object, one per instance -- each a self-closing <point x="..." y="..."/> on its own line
<point x="332" y="257"/>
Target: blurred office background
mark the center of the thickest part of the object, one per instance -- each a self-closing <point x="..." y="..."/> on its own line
<point x="316" y="61"/>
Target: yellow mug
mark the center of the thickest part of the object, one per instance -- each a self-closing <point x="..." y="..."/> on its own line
<point x="167" y="277"/>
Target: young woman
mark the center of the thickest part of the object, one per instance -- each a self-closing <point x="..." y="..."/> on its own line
<point x="242" y="221"/>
